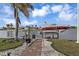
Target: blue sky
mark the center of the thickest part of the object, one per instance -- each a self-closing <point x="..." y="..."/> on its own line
<point x="52" y="13"/>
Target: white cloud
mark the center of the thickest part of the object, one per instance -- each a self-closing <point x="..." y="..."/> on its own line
<point x="66" y="7"/>
<point x="56" y="8"/>
<point x="41" y="12"/>
<point x="65" y="13"/>
<point x="7" y="10"/>
<point x="30" y="23"/>
<point x="8" y="21"/>
<point x="65" y="16"/>
<point x="8" y="13"/>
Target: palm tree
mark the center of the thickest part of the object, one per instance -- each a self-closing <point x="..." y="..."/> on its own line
<point x="24" y="8"/>
<point x="8" y="26"/>
<point x="11" y="25"/>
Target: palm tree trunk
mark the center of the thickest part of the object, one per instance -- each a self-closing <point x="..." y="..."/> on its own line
<point x="16" y="30"/>
<point x="16" y="17"/>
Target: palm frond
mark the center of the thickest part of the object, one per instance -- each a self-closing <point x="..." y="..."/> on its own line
<point x="30" y="6"/>
<point x="19" y="20"/>
<point x="23" y="7"/>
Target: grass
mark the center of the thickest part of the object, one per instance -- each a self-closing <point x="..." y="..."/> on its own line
<point x="69" y="48"/>
<point x="6" y="44"/>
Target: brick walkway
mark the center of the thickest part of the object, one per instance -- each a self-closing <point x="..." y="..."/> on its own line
<point x="34" y="49"/>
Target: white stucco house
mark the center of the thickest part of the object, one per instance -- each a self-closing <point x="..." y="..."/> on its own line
<point x="59" y="32"/>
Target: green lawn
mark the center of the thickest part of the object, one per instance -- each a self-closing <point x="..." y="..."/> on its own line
<point x="6" y="44"/>
<point x="66" y="47"/>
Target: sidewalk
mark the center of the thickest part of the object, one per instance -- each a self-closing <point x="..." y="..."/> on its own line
<point x="34" y="49"/>
<point x="41" y="47"/>
<point x="47" y="50"/>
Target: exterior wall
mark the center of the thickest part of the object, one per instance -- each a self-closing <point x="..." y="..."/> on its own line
<point x="39" y="35"/>
<point x="70" y="34"/>
<point x="3" y="34"/>
<point x="7" y="34"/>
<point x="51" y="34"/>
<point x="21" y="34"/>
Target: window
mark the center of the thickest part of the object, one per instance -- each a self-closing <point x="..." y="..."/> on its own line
<point x="55" y="35"/>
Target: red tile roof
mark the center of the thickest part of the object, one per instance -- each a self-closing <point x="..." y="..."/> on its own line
<point x="55" y="28"/>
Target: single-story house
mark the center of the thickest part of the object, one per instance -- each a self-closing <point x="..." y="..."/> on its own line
<point x="59" y="32"/>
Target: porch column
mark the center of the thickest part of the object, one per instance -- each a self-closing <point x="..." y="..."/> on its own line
<point x="77" y="22"/>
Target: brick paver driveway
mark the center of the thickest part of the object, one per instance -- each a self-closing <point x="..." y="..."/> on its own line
<point x="34" y="49"/>
<point x="41" y="47"/>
